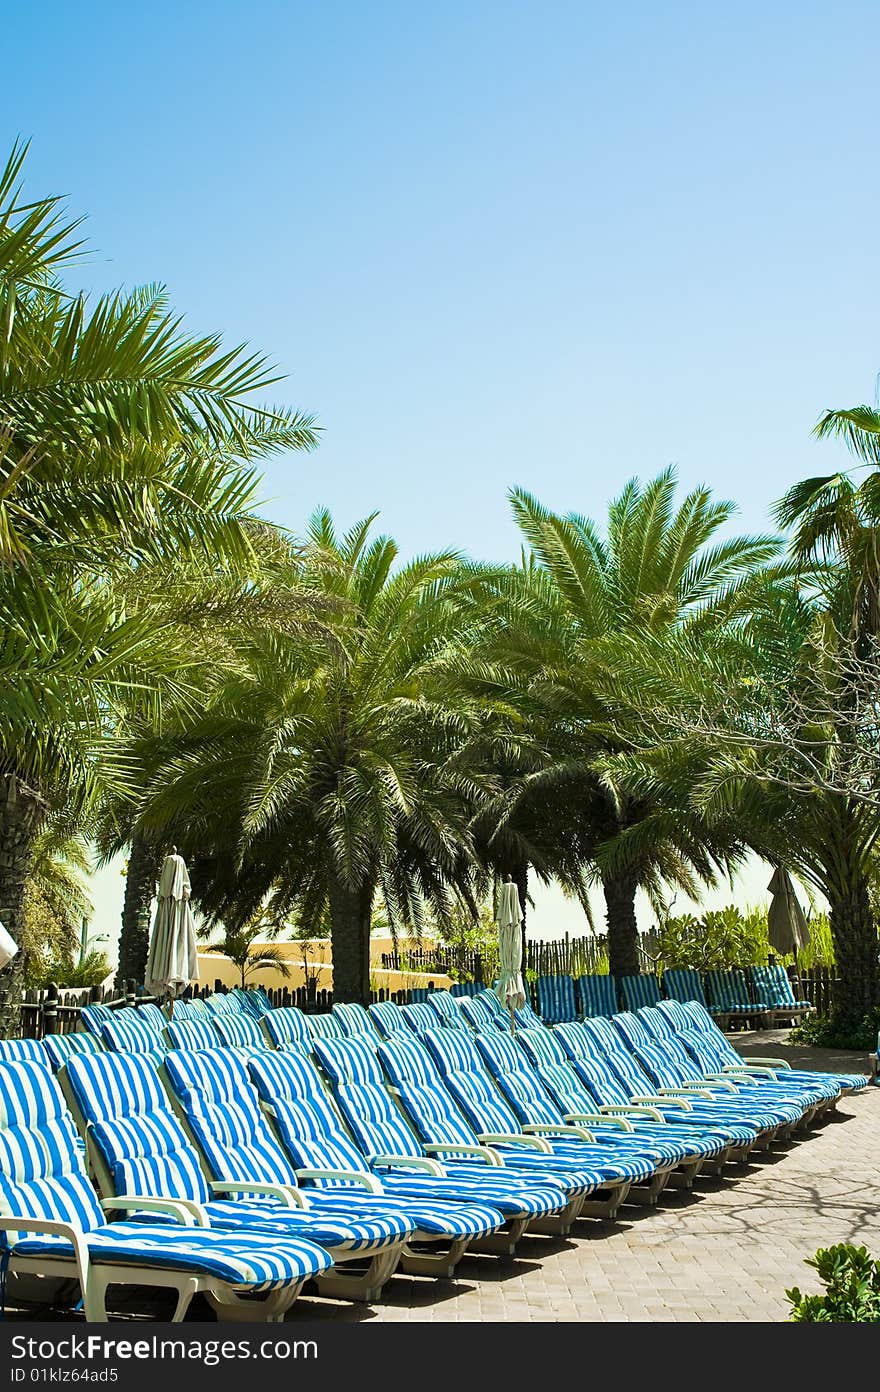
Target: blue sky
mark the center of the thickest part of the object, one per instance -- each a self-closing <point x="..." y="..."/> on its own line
<point x="490" y="244"/>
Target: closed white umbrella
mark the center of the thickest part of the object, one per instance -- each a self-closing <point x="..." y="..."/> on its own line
<point x="510" y="989"/>
<point x="173" y="961"/>
<point x="787" y="927"/>
<point x="8" y="947"/>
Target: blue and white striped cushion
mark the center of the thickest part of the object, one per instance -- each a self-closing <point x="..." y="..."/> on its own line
<point x="223" y="1003"/>
<point x="22" y="1051"/>
<point x="631" y="1028"/>
<point x="142" y="1142"/>
<point x="325" y="1027"/>
<point x="639" y="990"/>
<point x="444" y="1005"/>
<point x="192" y="1034"/>
<point x="388" y="1019"/>
<point x="464" y="988"/>
<point x="417" y="994"/>
<point x="61" y="1047"/>
<point x="92" y="1017"/>
<point x="729" y="992"/>
<point x="556" y="999"/>
<point x="675" y="1011"/>
<point x="773" y="988"/>
<point x="131" y="1031"/>
<point x="348" y="1060"/>
<point x="287" y="1028"/>
<point x="420" y="1017"/>
<point x="355" y="1019"/>
<point x="683" y="984"/>
<point x="657" y="1022"/>
<point x="239" y="1031"/>
<point x="521" y="1086"/>
<point x="310" y="1127"/>
<point x="459" y="1062"/>
<point x="476" y="1014"/>
<point x="597" y="995"/>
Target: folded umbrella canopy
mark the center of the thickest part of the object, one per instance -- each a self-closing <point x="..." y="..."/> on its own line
<point x="510" y="989"/>
<point x="173" y="960"/>
<point x="787" y="926"/>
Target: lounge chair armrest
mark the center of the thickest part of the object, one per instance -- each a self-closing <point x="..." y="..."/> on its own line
<point x="724" y="1080"/>
<point x="186" y="1211"/>
<point x="366" y="1181"/>
<point x="285" y="1193"/>
<point x="770" y="1062"/>
<point x="748" y="1070"/>
<point x="521" y="1139"/>
<point x="686" y="1090"/>
<point x="410" y="1162"/>
<point x="597" y="1119"/>
<point x="481" y="1152"/>
<point x="75" y="1236"/>
<point x="669" y="1099"/>
<point x="623" y="1112"/>
<point x="534" y="1129"/>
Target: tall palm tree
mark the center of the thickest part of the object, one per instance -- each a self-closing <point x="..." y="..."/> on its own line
<point x="327" y="772"/>
<point x="122" y="438"/>
<point x="657" y="568"/>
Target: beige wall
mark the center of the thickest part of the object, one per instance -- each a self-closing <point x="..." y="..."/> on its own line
<point x="313" y="960"/>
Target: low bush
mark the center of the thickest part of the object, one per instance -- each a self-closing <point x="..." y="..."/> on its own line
<point x="840" y="1030"/>
<point x="851" y="1278"/>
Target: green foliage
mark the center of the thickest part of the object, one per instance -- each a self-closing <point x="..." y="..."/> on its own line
<point x="851" y="1277"/>
<point x="467" y="934"/>
<point x="850" y="1029"/>
<point x="93" y="970"/>
<point x="819" y="951"/>
<point x="721" y="938"/>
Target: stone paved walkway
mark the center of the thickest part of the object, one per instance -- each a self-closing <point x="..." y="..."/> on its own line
<point x="726" y="1251"/>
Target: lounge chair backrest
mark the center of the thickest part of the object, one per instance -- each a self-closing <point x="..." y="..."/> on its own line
<point x="420" y="1017"/>
<point x="133" y="1127"/>
<point x="666" y="1064"/>
<point x="286" y="1028"/>
<point x="153" y="1016"/>
<point x="728" y="991"/>
<point x="192" y="1034"/>
<point x="239" y="1031"/>
<point x="42" y="1173"/>
<point x="92" y="1017"/>
<point x="543" y="1046"/>
<point x="222" y="1003"/>
<point x="631" y="1029"/>
<point x="597" y="995"/>
<point x="132" y="1031"/>
<point x="355" y="1019"/>
<point x="61" y="1047"/>
<point x="517" y="1079"/>
<point x="602" y="1032"/>
<point x="656" y="1022"/>
<point x="701" y="1049"/>
<point x="325" y="1027"/>
<point x="476" y="1014"/>
<point x="639" y="990"/>
<point x="556" y="999"/>
<point x="444" y="1005"/>
<point x="675" y="1011"/>
<point x="308" y="1123"/>
<point x="560" y="1076"/>
<point x="683" y="983"/>
<point x="222" y="1108"/>
<point x="258" y="1001"/>
<point x="359" y="1088"/>
<point x="773" y="988"/>
<point x="616" y="1063"/>
<point x="23" y="1051"/>
<point x="433" y="1113"/>
<point x="458" y="1060"/>
<point x="464" y="988"/>
<point x="389" y="1019"/>
<point x="416" y="994"/>
<point x="490" y="1002"/>
<point x="698" y="1017"/>
<point x="527" y="1019"/>
<point x="188" y="1010"/>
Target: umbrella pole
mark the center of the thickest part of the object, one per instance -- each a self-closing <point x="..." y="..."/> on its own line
<point x="512" y="1019"/>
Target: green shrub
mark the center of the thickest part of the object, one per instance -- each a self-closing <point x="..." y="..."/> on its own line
<point x="721" y="938"/>
<point x="851" y="1278"/>
<point x="850" y="1029"/>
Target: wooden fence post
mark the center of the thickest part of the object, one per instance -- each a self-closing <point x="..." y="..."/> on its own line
<point x="49" y="1012"/>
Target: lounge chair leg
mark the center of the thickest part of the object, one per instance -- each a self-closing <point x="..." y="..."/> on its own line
<point x="606" y="1207"/>
<point x="649" y="1193"/>
<point x="558" y="1224"/>
<point x="502" y="1243"/>
<point x="434" y="1263"/>
<point x="184" y="1299"/>
<point x="95" y="1296"/>
<point x="364" y="1286"/>
<point x="234" y="1309"/>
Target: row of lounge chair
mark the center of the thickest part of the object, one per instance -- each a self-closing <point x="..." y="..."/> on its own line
<point x="758" y="995"/>
<point x="241" y="1151"/>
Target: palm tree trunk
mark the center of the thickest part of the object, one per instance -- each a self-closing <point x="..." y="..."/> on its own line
<point x="140" y="886"/>
<point x="620" y="915"/>
<point x="350" y="911"/>
<point x="21" y="812"/>
<point x="854" y="934"/>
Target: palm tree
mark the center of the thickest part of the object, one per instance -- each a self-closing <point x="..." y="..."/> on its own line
<point x="122" y="439"/>
<point x="657" y="569"/>
<point x="327" y="772"/>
